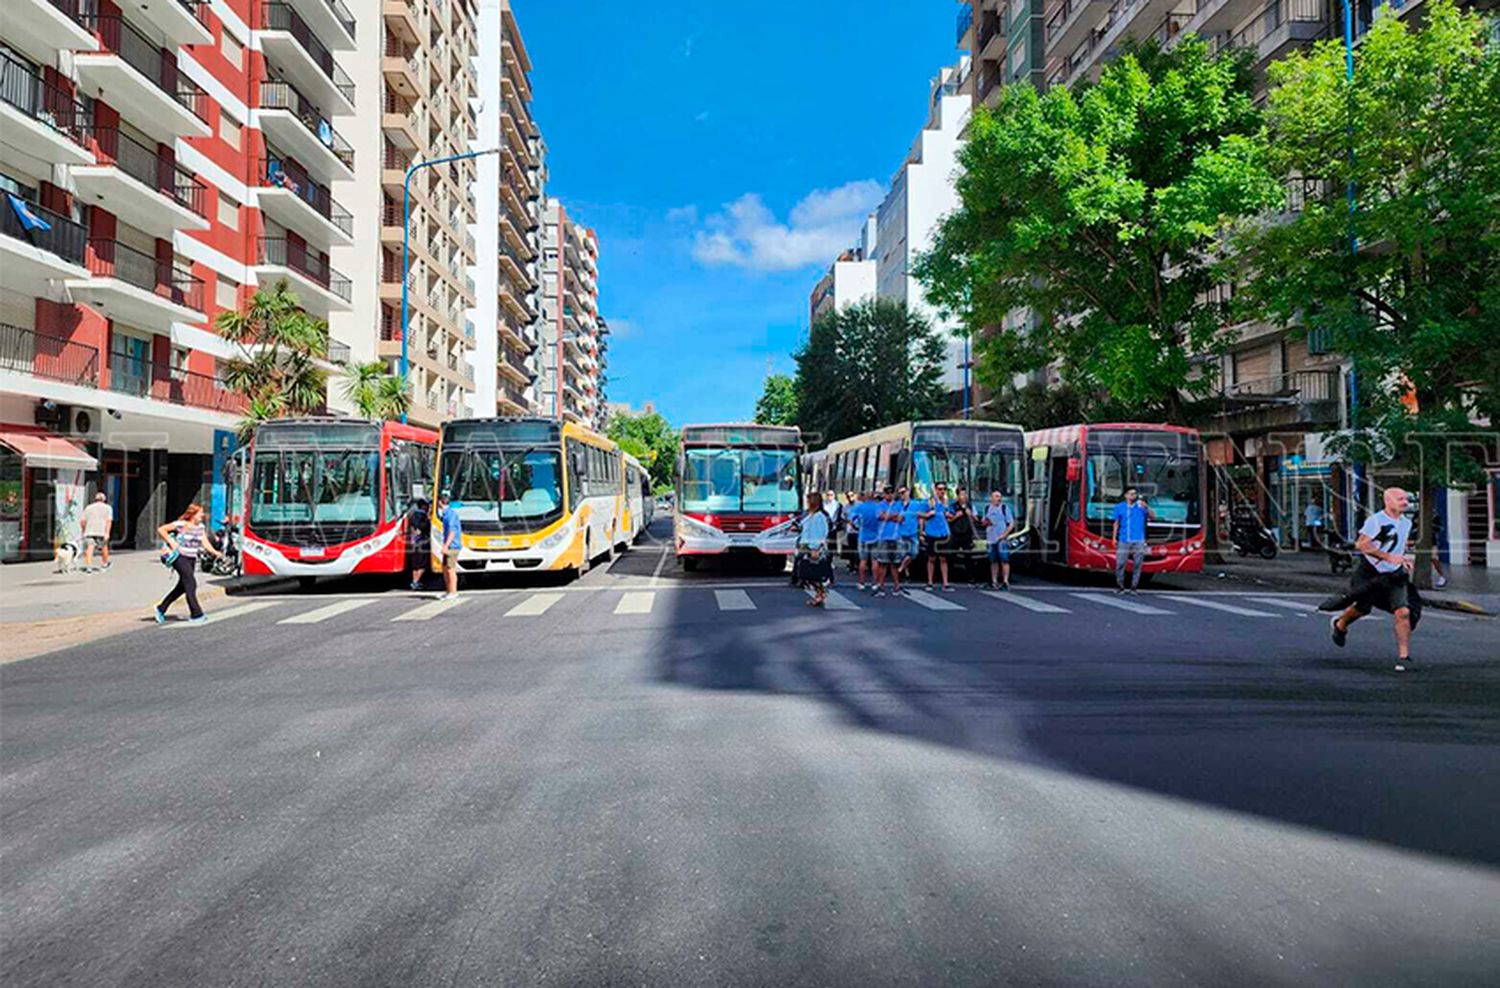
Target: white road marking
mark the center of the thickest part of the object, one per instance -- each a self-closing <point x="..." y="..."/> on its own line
<point x="1041" y="607"/>
<point x="429" y="610"/>
<point x="638" y="602"/>
<point x="1121" y="603"/>
<point x="534" y="605"/>
<point x="932" y="601"/>
<point x="1306" y="606"/>
<point x="1215" y="605"/>
<point x="227" y="613"/>
<point x="656" y="574"/>
<point x="324" y="613"/>
<point x="838" y="602"/>
<point x="734" y="600"/>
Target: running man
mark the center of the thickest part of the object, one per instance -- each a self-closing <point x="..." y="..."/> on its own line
<point x="1383" y="577"/>
<point x="451" y="542"/>
<point x="998" y="521"/>
<point x="888" y="543"/>
<point x="935" y="533"/>
<point x="1131" y="516"/>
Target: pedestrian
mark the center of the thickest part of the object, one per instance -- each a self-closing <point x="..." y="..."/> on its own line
<point x="1382" y="578"/>
<point x="814" y="569"/>
<point x="1130" y="516"/>
<point x="837" y="523"/>
<point x="451" y="534"/>
<point x="963" y="526"/>
<point x="1439" y="578"/>
<point x="1312" y="520"/>
<point x="185" y="538"/>
<point x="998" y="521"/>
<point x="419" y="540"/>
<point x="888" y="545"/>
<point x="911" y="529"/>
<point x="98" y="520"/>
<point x="865" y="517"/>
<point x="935" y="532"/>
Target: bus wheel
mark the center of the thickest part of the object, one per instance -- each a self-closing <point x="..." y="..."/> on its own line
<point x="588" y="556"/>
<point x="306" y="582"/>
<point x="689" y="564"/>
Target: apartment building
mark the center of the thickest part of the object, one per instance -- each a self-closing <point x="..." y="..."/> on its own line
<point x="849" y="279"/>
<point x="427" y="110"/>
<point x="158" y="162"/>
<point x="573" y="348"/>
<point x="507" y="314"/>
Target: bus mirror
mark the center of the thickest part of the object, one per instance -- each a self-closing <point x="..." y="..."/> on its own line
<point x="1039" y="453"/>
<point x="1075" y="471"/>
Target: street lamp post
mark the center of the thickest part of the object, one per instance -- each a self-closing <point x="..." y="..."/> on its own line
<point x="1353" y="194"/>
<point x="406" y="246"/>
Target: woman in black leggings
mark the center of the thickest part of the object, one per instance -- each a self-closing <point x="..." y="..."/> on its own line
<point x="185" y="537"/>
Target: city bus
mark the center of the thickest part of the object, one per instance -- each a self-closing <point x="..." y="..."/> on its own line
<point x="739" y="492"/>
<point x="1080" y="472"/>
<point x="639" y="504"/>
<point x="979" y="456"/>
<point x="331" y="496"/>
<point x="532" y="494"/>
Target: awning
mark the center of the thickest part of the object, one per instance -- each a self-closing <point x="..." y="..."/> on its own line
<point x="43" y="450"/>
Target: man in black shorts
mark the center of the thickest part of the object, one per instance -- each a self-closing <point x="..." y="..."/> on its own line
<point x="1382" y="579"/>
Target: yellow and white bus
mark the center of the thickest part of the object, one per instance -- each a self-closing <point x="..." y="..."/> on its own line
<point x="532" y="494"/>
<point x="638" y="501"/>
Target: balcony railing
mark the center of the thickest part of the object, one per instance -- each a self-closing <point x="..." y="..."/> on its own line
<point x="1276" y="14"/>
<point x="282" y="253"/>
<point x="277" y="94"/>
<point x="144" y="378"/>
<point x="34" y="96"/>
<point x="60" y="236"/>
<point x="397" y="159"/>
<point x="1288" y="387"/>
<point x="23" y="351"/>
<point x="120" y="37"/>
<point x="343" y="16"/>
<point x="151" y="168"/>
<point x="280" y="173"/>
<point x="112" y="259"/>
<point x="281" y="17"/>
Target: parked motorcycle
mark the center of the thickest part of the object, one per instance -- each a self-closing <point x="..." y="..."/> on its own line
<point x="1247" y="535"/>
<point x="226" y="540"/>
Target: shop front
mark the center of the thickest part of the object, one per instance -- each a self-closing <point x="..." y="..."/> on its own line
<point x="45" y="481"/>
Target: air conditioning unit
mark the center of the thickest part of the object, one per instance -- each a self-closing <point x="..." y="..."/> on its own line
<point x="83" y="423"/>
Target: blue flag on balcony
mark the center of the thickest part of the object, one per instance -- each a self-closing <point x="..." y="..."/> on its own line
<point x="29" y="220"/>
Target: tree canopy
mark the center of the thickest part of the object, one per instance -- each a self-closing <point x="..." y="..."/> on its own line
<point x="375" y="393"/>
<point x="276" y="366"/>
<point x="1099" y="210"/>
<point x="868" y="365"/>
<point x="651" y="439"/>
<point x="777" y="404"/>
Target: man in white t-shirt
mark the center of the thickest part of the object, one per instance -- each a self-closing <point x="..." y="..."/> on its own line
<point x="98" y="519"/>
<point x="1383" y="577"/>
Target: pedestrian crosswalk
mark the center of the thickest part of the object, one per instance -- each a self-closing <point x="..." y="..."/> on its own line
<point x="1028" y="603"/>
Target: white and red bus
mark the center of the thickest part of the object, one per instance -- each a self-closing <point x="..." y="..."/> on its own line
<point x="1080" y="472"/>
<point x="739" y="490"/>
<point x="333" y="496"/>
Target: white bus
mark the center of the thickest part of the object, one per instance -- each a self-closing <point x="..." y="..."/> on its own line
<point x="739" y="490"/>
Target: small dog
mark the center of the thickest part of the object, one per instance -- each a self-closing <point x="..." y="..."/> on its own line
<point x="65" y="557"/>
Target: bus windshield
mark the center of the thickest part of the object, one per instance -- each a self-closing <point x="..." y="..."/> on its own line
<point x="719" y="481"/>
<point x="315" y="486"/>
<point x="998" y="468"/>
<point x="1162" y="466"/>
<point x="510" y="490"/>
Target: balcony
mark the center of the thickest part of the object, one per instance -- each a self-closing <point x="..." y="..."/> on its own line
<point x="331" y="21"/>
<point x="141" y="81"/>
<point x="301" y="57"/>
<point x="142" y="186"/>
<point x="39" y="119"/>
<point x="1071" y="21"/>
<point x="401" y="19"/>
<point x="1283" y="24"/>
<point x="180" y="22"/>
<point x="320" y="288"/>
<point x="294" y="199"/>
<point x="1303" y="397"/>
<point x="41" y="28"/>
<point x="398" y="68"/>
<point x="136" y="287"/>
<point x="396" y="122"/>
<point x="23" y="351"/>
<point x="44" y="247"/>
<point x="140" y="378"/>
<point x="294" y="122"/>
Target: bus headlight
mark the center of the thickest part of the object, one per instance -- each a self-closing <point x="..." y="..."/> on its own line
<point x="778" y="531"/>
<point x="693" y="526"/>
<point x="557" y="538"/>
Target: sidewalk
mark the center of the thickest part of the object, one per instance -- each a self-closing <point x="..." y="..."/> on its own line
<point x="42" y="610"/>
<point x="1470" y="588"/>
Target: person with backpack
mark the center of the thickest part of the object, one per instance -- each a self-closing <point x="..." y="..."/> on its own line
<point x="998" y="521"/>
<point x="185" y="538"/>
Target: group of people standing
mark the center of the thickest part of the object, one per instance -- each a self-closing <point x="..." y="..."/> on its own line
<point x="891" y="531"/>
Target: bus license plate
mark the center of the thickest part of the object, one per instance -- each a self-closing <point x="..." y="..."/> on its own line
<point x="313" y="552"/>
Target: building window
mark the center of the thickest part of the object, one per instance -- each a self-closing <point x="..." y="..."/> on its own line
<point x="229" y="130"/>
<point x="1018" y="57"/>
<point x="229" y="212"/>
<point x="226" y="293"/>
<point x="232" y="49"/>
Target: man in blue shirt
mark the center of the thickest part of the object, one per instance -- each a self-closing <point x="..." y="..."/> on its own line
<point x="866" y="521"/>
<point x="888" y="546"/>
<point x="1131" y="516"/>
<point x="451" y="542"/>
<point x="911" y="527"/>
<point x="998" y="522"/>
<point x="935" y="532"/>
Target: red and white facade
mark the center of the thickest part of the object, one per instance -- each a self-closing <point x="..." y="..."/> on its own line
<point x="158" y="163"/>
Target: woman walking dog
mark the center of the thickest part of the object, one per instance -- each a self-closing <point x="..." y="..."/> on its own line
<point x="185" y="539"/>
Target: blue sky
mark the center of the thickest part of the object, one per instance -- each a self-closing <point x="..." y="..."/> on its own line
<point x="724" y="151"/>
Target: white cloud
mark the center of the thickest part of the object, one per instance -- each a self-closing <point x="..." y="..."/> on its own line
<point x="683" y="214"/>
<point x="747" y="234"/>
<point x="621" y="328"/>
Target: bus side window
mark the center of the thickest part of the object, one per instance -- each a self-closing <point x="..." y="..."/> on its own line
<point x="395" y="503"/>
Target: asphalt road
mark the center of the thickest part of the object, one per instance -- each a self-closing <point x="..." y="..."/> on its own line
<point x="645" y="778"/>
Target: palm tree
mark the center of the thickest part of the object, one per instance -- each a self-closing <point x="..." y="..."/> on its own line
<point x="277" y="368"/>
<point x="374" y="393"/>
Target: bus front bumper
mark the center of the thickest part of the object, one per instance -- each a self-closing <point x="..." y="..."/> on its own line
<point x="697" y="539"/>
<point x="264" y="559"/>
<point x="499" y="554"/>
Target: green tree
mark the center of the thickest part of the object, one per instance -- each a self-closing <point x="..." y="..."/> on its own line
<point x="375" y="393"/>
<point x="1099" y="209"/>
<point x="868" y="365"/>
<point x="777" y="404"/>
<point x="1416" y="306"/>
<point x="650" y="438"/>
<point x="279" y="348"/>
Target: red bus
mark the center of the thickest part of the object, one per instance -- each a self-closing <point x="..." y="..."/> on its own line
<point x="1080" y="472"/>
<point x="332" y="496"/>
<point x="739" y="488"/>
